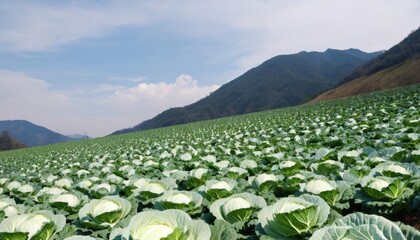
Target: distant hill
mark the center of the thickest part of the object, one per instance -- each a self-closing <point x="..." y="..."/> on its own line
<point x="31" y="134"/>
<point x="78" y="136"/>
<point x="398" y="66"/>
<point x="8" y="143"/>
<point x="282" y="81"/>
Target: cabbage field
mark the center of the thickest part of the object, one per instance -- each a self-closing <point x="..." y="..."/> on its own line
<point x="345" y="169"/>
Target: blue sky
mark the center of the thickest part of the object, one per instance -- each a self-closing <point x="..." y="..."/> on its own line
<point x="99" y="66"/>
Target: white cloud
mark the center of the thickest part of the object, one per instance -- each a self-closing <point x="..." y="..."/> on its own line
<point x="157" y="97"/>
<point x="146" y="100"/>
<point x="21" y="93"/>
<point x="23" y="97"/>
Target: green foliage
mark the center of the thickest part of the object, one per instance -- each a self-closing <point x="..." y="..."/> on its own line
<point x="213" y="180"/>
<point x="13" y="236"/>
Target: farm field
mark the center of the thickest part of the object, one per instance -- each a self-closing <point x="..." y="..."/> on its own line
<point x="345" y="169"/>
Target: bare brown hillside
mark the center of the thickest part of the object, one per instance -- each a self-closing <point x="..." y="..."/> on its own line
<point x="403" y="74"/>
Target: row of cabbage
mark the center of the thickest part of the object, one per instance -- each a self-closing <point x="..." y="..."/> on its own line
<point x="338" y="170"/>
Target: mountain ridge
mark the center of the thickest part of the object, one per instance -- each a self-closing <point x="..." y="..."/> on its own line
<point x="398" y="53"/>
<point x="399" y="66"/>
<point x="281" y="81"/>
<point x="31" y="134"/>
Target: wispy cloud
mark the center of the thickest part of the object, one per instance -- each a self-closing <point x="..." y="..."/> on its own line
<point x="257" y="29"/>
<point x="107" y="88"/>
<point x="44" y="27"/>
<point x="129" y="79"/>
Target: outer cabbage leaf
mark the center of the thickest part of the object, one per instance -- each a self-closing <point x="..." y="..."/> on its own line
<point x="222" y="230"/>
<point x="330" y="233"/>
<point x="390" y="230"/>
<point x="363" y="232"/>
<point x="409" y="232"/>
<point x="364" y="226"/>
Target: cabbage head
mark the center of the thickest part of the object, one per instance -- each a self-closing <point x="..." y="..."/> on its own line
<point x="216" y="189"/>
<point x="187" y="201"/>
<point x="104" y="212"/>
<point x="40" y="225"/>
<point x="169" y="224"/>
<point x="336" y="193"/>
<point x="237" y="207"/>
<point x="8" y="207"/>
<point x="384" y="195"/>
<point x="293" y="216"/>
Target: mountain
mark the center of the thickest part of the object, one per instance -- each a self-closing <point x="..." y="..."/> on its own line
<point x="282" y="81"/>
<point x="398" y="66"/>
<point x="31" y="134"/>
<point x="8" y="143"/>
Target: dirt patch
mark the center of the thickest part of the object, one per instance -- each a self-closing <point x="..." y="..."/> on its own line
<point x="411" y="218"/>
